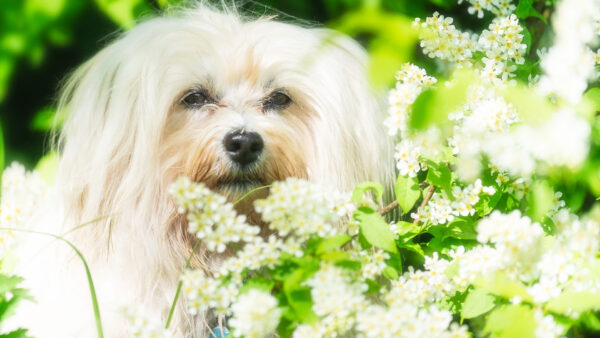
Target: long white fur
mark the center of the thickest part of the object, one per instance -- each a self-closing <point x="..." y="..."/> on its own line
<point x="127" y="137"/>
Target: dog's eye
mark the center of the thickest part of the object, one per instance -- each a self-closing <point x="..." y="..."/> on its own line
<point x="277" y="100"/>
<point x="196" y="99"/>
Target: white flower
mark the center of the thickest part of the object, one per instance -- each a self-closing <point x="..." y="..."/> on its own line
<point x="22" y="195"/>
<point x="210" y="217"/>
<point x="141" y="325"/>
<point x="546" y="326"/>
<point x="301" y="208"/>
<point x="255" y="314"/>
<point x="544" y="290"/>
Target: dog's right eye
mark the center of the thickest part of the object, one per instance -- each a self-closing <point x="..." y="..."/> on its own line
<point x="196" y="99"/>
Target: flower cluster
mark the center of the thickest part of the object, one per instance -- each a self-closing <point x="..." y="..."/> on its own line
<point x="142" y="326"/>
<point x="403" y="313"/>
<point x="337" y="306"/>
<point x="440" y="39"/>
<point x="442" y="209"/>
<point x="299" y="208"/>
<point x="569" y="63"/>
<point x="502" y="44"/>
<point x="203" y="292"/>
<point x="255" y="315"/>
<point x="411" y="81"/>
<point x="496" y="7"/>
<point x="210" y="217"/>
<point x="22" y="194"/>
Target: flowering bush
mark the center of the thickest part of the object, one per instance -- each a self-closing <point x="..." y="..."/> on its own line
<point x="487" y="243"/>
<point x="498" y="233"/>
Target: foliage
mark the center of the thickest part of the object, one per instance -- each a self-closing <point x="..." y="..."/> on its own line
<point x="498" y="173"/>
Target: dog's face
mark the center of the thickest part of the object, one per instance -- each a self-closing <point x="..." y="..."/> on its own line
<point x="243" y="109"/>
<point x="231" y="103"/>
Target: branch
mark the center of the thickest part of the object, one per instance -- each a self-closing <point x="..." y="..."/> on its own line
<point x="425" y="200"/>
<point x="388" y="208"/>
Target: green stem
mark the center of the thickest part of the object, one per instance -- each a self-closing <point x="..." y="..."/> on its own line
<point x="251" y="192"/>
<point x="178" y="291"/>
<point x="85" y="224"/>
<point x="87" y="273"/>
<point x="187" y="263"/>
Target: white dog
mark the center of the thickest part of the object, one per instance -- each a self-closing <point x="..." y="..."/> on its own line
<point x="227" y="101"/>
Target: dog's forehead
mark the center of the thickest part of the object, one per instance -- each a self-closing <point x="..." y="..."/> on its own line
<point x="255" y="54"/>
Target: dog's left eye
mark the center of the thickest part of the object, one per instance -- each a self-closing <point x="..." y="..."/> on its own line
<point x="196" y="99"/>
<point x="277" y="100"/>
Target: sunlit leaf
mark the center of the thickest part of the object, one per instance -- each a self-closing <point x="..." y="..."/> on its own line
<point x="433" y="105"/>
<point x="123" y="12"/>
<point x="375" y="230"/>
<point x="407" y="192"/>
<point x="477" y="303"/>
<point x="511" y="321"/>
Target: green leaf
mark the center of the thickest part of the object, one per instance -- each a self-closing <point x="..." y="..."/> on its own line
<point x="47" y="167"/>
<point x="440" y="176"/>
<point x="358" y="194"/>
<point x="403" y="228"/>
<point x="20" y="333"/>
<point x="2" y="156"/>
<point x="500" y="285"/>
<point x="477" y="303"/>
<point x="539" y="200"/>
<point x="375" y="230"/>
<point x="407" y="192"/>
<point x="298" y="296"/>
<point x="511" y="321"/>
<point x="373" y="286"/>
<point x="525" y="9"/>
<point x="433" y="105"/>
<point x="390" y="273"/>
<point x="258" y="283"/>
<point x="9" y="283"/>
<point x="487" y="204"/>
<point x="531" y="106"/>
<point x="332" y="243"/>
<point x="123" y="12"/>
<point x="574" y="301"/>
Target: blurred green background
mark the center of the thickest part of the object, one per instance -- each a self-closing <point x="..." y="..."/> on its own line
<point x="41" y="41"/>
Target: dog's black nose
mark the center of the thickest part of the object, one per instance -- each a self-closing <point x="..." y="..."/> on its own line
<point x="243" y="147"/>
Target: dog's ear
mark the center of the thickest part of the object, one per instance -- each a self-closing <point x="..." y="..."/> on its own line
<point x="354" y="112"/>
<point x="113" y="118"/>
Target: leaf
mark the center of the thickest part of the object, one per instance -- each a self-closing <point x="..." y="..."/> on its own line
<point x="20" y="333"/>
<point x="358" y="194"/>
<point x="574" y="301"/>
<point x="123" y="12"/>
<point x="332" y="243"/>
<point x="511" y="321"/>
<point x="487" y="204"/>
<point x="433" y="105"/>
<point x="500" y="285"/>
<point x="390" y="273"/>
<point x="525" y="9"/>
<point x="407" y="192"/>
<point x="257" y="283"/>
<point x="2" y="156"/>
<point x="477" y="303"/>
<point x="375" y="230"/>
<point x="403" y="228"/>
<point x="539" y="200"/>
<point x="47" y="167"/>
<point x="9" y="283"/>
<point x="531" y="106"/>
<point x="299" y="298"/>
<point x="373" y="286"/>
<point x="440" y="176"/>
